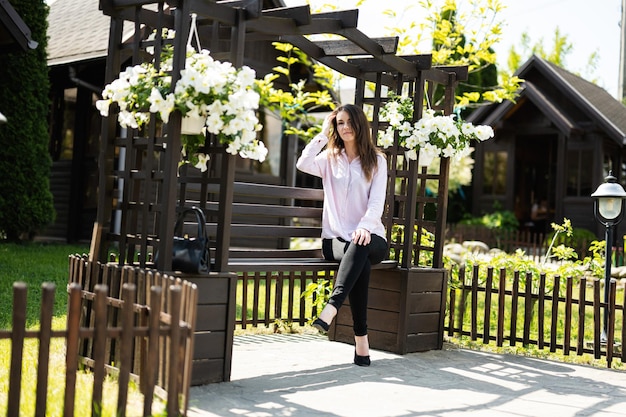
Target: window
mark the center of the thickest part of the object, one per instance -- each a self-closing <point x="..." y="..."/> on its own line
<point x="578" y="173"/>
<point x="494" y="173"/>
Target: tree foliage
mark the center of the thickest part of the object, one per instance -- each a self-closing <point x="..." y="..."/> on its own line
<point x="556" y="53"/>
<point x="457" y="35"/>
<point x="296" y="106"/>
<point x="26" y="203"/>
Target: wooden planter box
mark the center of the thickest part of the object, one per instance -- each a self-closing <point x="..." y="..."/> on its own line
<point x="215" y="326"/>
<point x="406" y="309"/>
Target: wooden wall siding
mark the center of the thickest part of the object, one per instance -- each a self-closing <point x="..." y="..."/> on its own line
<point x="147" y="328"/>
<point x="168" y="362"/>
<point x="556" y="314"/>
<point x="405" y="311"/>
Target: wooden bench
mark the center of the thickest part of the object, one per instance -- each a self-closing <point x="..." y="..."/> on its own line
<point x="266" y="219"/>
<point x="287" y="214"/>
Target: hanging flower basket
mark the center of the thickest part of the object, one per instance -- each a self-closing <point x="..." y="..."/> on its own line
<point x="430" y="137"/>
<point x="219" y="96"/>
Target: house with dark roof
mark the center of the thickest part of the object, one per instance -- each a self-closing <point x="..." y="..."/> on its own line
<point x="554" y="145"/>
<point x="77" y="48"/>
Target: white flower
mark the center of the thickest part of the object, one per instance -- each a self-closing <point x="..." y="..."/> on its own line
<point x="258" y="152"/>
<point x="385" y="139"/>
<point x="246" y="77"/>
<point x="405" y="129"/>
<point x="484" y="132"/>
<point x="103" y="107"/>
<point x="160" y="105"/>
<point x="127" y="119"/>
<point x="234" y="147"/>
<point x="411" y="154"/>
<point x="203" y="161"/>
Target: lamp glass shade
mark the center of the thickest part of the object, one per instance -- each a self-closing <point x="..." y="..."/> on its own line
<point x="610" y="207"/>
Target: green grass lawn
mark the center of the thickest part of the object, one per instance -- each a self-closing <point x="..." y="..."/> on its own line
<point x="34" y="264"/>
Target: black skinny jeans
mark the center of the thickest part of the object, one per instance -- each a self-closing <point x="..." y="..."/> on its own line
<point x="353" y="276"/>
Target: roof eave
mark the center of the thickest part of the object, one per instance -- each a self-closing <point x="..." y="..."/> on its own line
<point x="15" y="27"/>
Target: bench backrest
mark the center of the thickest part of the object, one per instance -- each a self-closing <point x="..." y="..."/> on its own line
<point x="267" y="218"/>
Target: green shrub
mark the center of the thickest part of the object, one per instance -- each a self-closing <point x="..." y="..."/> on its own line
<point x="503" y="220"/>
<point x="579" y="240"/>
<point x="26" y="204"/>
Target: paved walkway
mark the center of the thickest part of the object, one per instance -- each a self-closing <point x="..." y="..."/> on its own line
<point x="307" y="375"/>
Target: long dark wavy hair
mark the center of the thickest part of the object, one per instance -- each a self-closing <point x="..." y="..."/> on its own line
<point x="366" y="148"/>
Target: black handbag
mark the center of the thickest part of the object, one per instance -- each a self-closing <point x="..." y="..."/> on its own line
<point x="191" y="254"/>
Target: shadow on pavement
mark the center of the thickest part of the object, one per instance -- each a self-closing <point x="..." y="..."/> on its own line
<point x="296" y="375"/>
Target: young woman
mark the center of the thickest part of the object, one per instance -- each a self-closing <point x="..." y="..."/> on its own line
<point x="354" y="177"/>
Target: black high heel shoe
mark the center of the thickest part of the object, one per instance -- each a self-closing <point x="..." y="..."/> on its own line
<point x="361" y="360"/>
<point x="321" y="325"/>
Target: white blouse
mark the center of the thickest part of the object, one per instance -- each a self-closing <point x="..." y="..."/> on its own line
<point x="350" y="201"/>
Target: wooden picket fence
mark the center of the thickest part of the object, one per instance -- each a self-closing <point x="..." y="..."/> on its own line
<point x="566" y="315"/>
<point x="266" y="297"/>
<point x="121" y="321"/>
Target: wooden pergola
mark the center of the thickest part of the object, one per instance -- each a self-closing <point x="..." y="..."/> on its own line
<point x="140" y="185"/>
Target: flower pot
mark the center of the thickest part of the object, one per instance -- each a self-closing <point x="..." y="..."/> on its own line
<point x="192" y="124"/>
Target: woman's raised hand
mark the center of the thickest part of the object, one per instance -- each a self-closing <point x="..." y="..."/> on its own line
<point x="328" y="122"/>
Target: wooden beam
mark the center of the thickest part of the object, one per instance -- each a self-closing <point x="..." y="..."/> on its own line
<point x="346" y="68"/>
<point x="377" y="65"/>
<point x="300" y="15"/>
<point x="438" y="75"/>
<point x="461" y="72"/>
<point x="148" y="17"/>
<point x="15" y="34"/>
<point x="273" y="25"/>
<point x="423" y="61"/>
<point x="369" y="64"/>
<point x="348" y="18"/>
<point x="253" y="8"/>
<point x="397" y="63"/>
<point x="214" y="11"/>
<point x="345" y="47"/>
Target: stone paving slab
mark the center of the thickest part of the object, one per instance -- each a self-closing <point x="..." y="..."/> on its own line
<point x="307" y="375"/>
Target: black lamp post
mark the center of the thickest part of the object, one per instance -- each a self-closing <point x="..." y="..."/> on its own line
<point x="609" y="210"/>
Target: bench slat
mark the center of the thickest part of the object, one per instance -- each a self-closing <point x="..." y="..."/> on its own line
<point x="278" y="191"/>
<point x="268" y="231"/>
<point x="292" y="264"/>
<point x="270" y="190"/>
<point x="272" y="210"/>
<point x="236" y="253"/>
